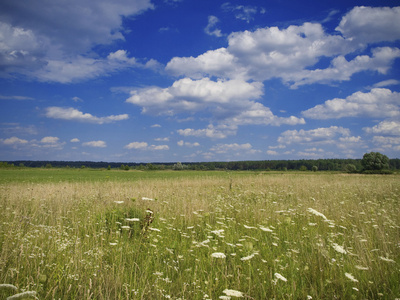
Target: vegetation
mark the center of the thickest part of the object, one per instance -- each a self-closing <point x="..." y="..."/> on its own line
<point x="78" y="234"/>
<point x="274" y="165"/>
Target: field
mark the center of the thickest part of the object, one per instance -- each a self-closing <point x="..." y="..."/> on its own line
<point x="98" y="234"/>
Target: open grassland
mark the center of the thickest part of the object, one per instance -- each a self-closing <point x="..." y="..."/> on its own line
<point x="199" y="235"/>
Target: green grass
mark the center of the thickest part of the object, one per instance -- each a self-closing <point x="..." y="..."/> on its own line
<point x="65" y="234"/>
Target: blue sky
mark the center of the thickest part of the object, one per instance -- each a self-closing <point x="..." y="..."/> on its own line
<point x="186" y="80"/>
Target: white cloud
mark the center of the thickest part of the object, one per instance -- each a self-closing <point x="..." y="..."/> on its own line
<point x="31" y="47"/>
<point x="230" y="102"/>
<point x="242" y="12"/>
<point x="72" y="114"/>
<point x="379" y="102"/>
<point x="145" y="146"/>
<point x="181" y="143"/>
<point x="385" y="127"/>
<point x="215" y="132"/>
<point x="388" y="82"/>
<point x="136" y="145"/>
<point x="317" y="136"/>
<point x="291" y="53"/>
<point x="371" y="24"/>
<point x="166" y="139"/>
<point x="95" y="144"/>
<point x="210" y="28"/>
<point x="386" y="142"/>
<point x="224" y="148"/>
<point x="14" y="97"/>
<point x="50" y="140"/>
<point x="272" y="152"/>
<point x="13" y="141"/>
<point x="75" y="140"/>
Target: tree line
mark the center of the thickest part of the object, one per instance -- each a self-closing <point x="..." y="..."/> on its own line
<point x="335" y="164"/>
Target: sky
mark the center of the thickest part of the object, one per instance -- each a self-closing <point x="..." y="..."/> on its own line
<point x="192" y="81"/>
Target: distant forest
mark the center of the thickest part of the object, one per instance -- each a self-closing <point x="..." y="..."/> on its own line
<point x="347" y="165"/>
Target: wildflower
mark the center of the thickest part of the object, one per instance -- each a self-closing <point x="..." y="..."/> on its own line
<point x="218" y="255"/>
<point x="248" y="257"/>
<point x="113" y="244"/>
<point x="125" y="227"/>
<point x="387" y="259"/>
<point x="224" y="297"/>
<point x="119" y="202"/>
<point x="28" y="294"/>
<point x="147" y="199"/>
<point x="351" y="277"/>
<point x="132" y="219"/>
<point x="313" y="211"/>
<point x="339" y="248"/>
<point x="249" y="227"/>
<point x="266" y="229"/>
<point x="233" y="293"/>
<point x="218" y="232"/>
<point x="6" y="286"/>
<point x="361" y="268"/>
<point x="155" y="229"/>
<point x="279" y="276"/>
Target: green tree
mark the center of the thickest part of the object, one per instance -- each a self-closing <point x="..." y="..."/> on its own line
<point x="350" y="168"/>
<point x="314" y="168"/>
<point x="375" y="161"/>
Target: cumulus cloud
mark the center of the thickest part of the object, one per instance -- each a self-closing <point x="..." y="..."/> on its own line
<point x="95" y="144"/>
<point x="31" y="47"/>
<point x="385" y="127"/>
<point x="50" y="140"/>
<point x="224" y="148"/>
<point x="145" y="146"/>
<point x="291" y="53"/>
<point x="325" y="135"/>
<point x="215" y="132"/>
<point x="371" y="24"/>
<point x="181" y="143"/>
<point x="72" y="114"/>
<point x="75" y="140"/>
<point x="378" y="102"/>
<point x="230" y="102"/>
<point x="13" y="141"/>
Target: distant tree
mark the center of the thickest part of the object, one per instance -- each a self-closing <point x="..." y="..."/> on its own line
<point x="375" y="161"/>
<point x="303" y="168"/>
<point x="350" y="168"/>
<point x="109" y="167"/>
<point x="178" y="166"/>
<point x="48" y="166"/>
<point x="314" y="168"/>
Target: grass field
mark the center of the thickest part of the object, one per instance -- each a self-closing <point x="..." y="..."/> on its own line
<point x="98" y="234"/>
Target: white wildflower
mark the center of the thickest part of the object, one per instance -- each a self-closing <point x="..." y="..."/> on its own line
<point x="249" y="227"/>
<point x="356" y="289"/>
<point x="218" y="255"/>
<point x="113" y="244"/>
<point x="6" y="286"/>
<point x="218" y="232"/>
<point x="126" y="227"/>
<point x="317" y="213"/>
<point x="224" y="297"/>
<point x="248" y="257"/>
<point x="339" y="248"/>
<point x="387" y="259"/>
<point x="362" y="268"/>
<point x="155" y="229"/>
<point x="279" y="276"/>
<point x="267" y="229"/>
<point x="309" y="297"/>
<point x="119" y="202"/>
<point x="351" y="277"/>
<point x="132" y="219"/>
<point x="24" y="295"/>
<point x="147" y="199"/>
<point x="233" y="293"/>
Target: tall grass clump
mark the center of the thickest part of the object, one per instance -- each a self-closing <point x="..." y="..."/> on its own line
<point x="255" y="236"/>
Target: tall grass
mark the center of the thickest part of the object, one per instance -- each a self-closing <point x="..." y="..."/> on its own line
<point x="282" y="236"/>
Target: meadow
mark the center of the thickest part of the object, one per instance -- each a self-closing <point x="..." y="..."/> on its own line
<point x="98" y="234"/>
